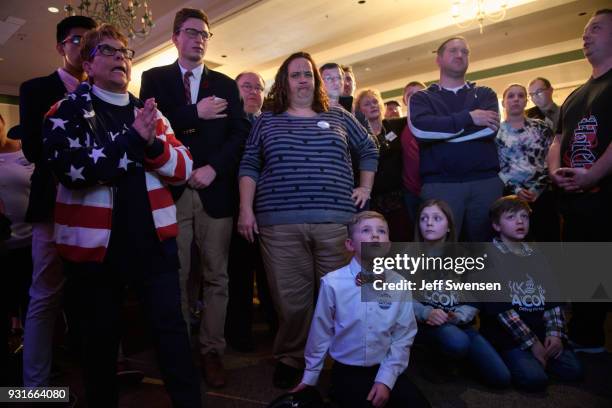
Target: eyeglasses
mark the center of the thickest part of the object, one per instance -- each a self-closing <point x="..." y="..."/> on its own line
<point x="249" y="87"/>
<point x="74" y="39"/>
<point x="329" y="78"/>
<point x="109" y="51"/>
<point x="537" y="93"/>
<point x="193" y="33"/>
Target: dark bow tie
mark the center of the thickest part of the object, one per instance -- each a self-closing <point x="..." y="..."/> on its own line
<point x="364" y="278"/>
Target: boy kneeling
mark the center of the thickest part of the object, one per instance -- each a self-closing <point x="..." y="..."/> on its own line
<point x="368" y="341"/>
<point x="528" y="330"/>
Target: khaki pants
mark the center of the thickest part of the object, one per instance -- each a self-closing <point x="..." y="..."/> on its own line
<point x="296" y="256"/>
<point x="212" y="238"/>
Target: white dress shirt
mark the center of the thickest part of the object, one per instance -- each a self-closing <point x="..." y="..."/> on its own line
<point x="71" y="83"/>
<point x="360" y="333"/>
<point x="194" y="80"/>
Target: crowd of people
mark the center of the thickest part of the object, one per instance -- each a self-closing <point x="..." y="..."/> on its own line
<point x="200" y="186"/>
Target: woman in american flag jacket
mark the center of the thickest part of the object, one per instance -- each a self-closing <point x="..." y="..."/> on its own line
<point x="87" y="159"/>
<point x="115" y="219"/>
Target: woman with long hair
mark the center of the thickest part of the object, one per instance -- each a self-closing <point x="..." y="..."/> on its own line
<point x="296" y="192"/>
<point x="445" y="320"/>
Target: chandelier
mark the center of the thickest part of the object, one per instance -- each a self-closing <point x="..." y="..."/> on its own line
<point x="477" y="10"/>
<point x="116" y="13"/>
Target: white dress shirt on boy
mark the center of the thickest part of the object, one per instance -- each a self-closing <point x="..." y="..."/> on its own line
<point x="359" y="333"/>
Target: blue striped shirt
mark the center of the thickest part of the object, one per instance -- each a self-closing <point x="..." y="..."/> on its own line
<point x="302" y="166"/>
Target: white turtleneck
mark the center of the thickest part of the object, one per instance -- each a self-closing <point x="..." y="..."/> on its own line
<point x="119" y="99"/>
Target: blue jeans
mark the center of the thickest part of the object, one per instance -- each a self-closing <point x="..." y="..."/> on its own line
<point x="529" y="375"/>
<point x="459" y="343"/>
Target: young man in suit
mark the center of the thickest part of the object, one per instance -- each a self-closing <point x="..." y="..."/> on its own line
<point x="206" y="113"/>
<point x="36" y="96"/>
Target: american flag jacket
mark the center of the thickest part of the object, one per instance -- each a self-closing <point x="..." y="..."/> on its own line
<point x="86" y="159"/>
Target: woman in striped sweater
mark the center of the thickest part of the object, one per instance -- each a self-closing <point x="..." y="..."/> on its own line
<point x="296" y="192"/>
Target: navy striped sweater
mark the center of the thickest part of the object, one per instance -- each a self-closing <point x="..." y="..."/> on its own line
<point x="302" y="166"/>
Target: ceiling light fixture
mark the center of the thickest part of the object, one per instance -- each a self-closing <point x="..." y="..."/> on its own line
<point x="53" y="10"/>
<point x="115" y="12"/>
<point x="466" y="12"/>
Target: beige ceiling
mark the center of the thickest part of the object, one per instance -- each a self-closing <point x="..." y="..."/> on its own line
<point x="387" y="41"/>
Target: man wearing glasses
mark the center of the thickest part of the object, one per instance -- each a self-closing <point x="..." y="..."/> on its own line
<point x="333" y="79"/>
<point x="251" y="86"/>
<point x="115" y="219"/>
<point x="245" y="261"/>
<point x="205" y="111"/>
<point x="35" y="98"/>
<point x="540" y="92"/>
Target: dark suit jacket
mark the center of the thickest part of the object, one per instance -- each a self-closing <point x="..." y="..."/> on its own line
<point x="389" y="175"/>
<point x="396" y="125"/>
<point x="218" y="142"/>
<point x="35" y="98"/>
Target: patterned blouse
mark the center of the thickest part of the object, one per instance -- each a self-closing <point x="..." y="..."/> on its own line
<point x="522" y="155"/>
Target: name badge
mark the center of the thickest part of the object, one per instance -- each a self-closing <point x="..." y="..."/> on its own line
<point x="384" y="301"/>
<point x="390" y="136"/>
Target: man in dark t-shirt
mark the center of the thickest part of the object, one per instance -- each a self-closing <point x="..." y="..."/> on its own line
<point x="580" y="163"/>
